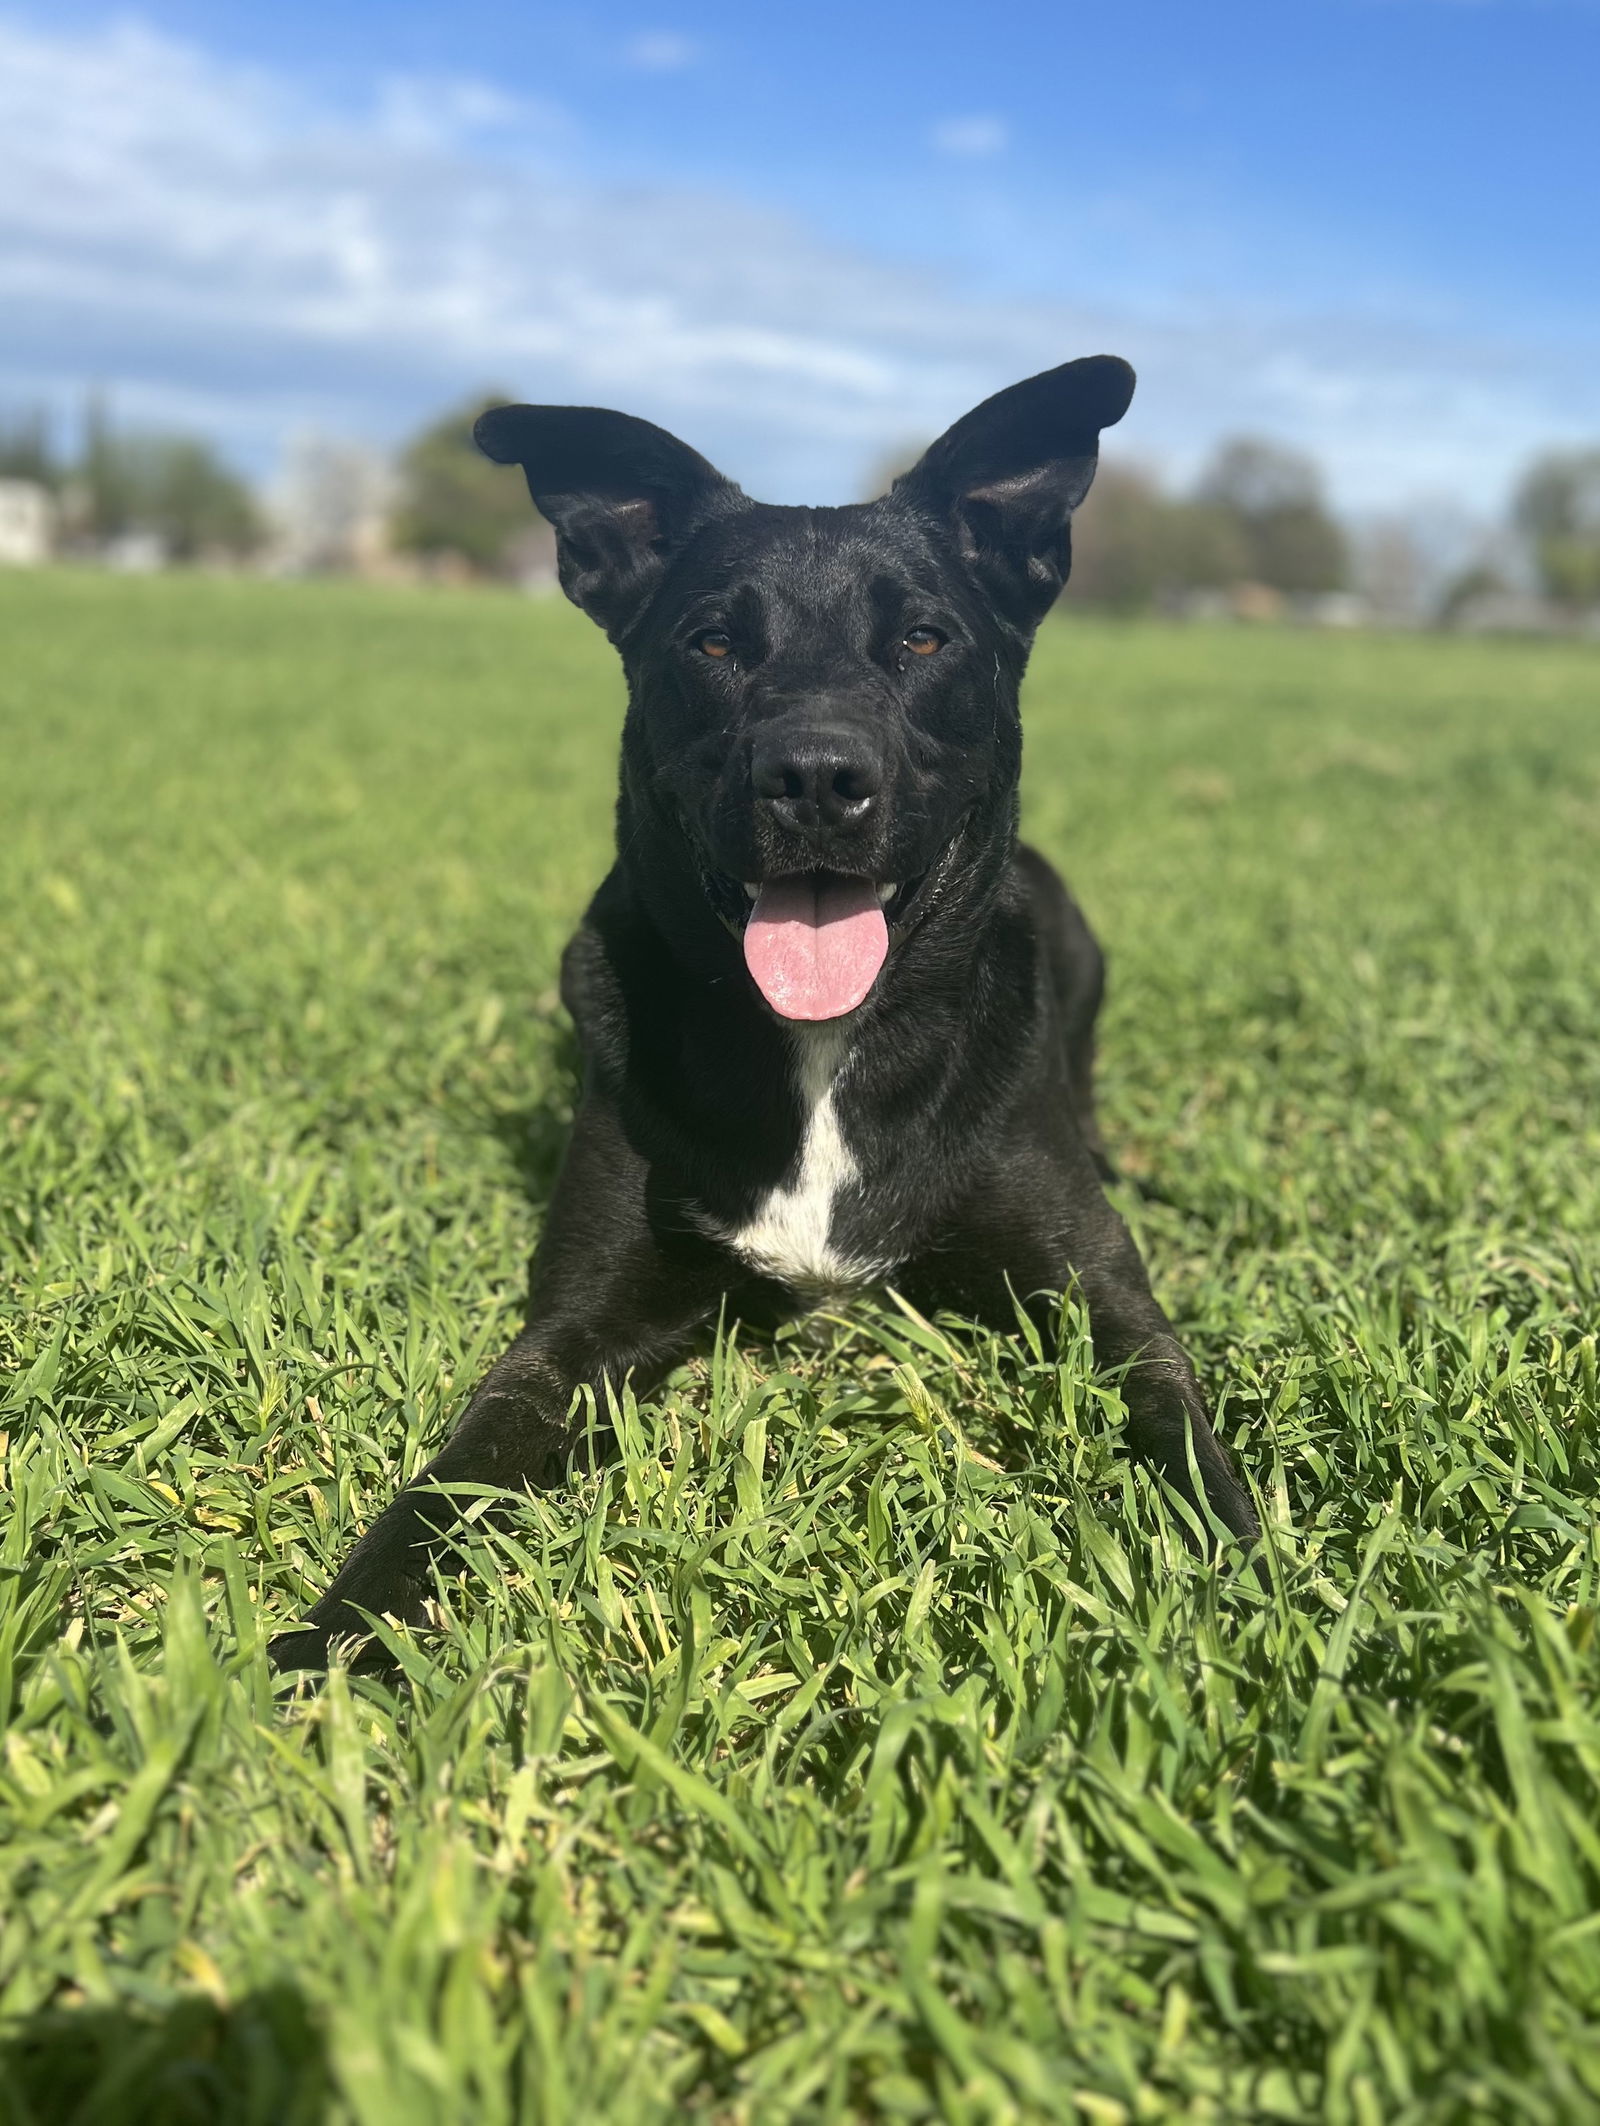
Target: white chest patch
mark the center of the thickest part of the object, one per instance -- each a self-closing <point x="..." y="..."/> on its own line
<point x="790" y="1235"/>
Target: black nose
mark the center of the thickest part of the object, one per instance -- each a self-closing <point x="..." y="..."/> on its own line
<point x="817" y="777"/>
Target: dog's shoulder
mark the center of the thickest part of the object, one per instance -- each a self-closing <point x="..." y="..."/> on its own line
<point x="593" y="973"/>
<point x="586" y="981"/>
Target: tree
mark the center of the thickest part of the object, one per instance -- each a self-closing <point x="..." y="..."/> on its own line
<point x="174" y="486"/>
<point x="1131" y="544"/>
<point x="25" y="450"/>
<point x="1205" y="550"/>
<point x="1467" y="588"/>
<point x="1274" y="497"/>
<point x="1117" y="541"/>
<point x="1557" y="510"/>
<point x="454" y="500"/>
<point x="182" y="491"/>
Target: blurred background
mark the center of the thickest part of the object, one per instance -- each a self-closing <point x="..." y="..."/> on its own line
<point x="258" y="267"/>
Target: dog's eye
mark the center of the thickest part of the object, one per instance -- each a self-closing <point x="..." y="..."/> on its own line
<point x="714" y="643"/>
<point x="923" y="641"/>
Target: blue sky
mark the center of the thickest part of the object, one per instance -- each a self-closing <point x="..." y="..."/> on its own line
<point x="805" y="237"/>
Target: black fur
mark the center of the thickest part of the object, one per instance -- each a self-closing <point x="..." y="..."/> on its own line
<point x="818" y="740"/>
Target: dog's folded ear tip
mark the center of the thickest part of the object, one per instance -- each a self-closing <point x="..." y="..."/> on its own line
<point x="497" y="433"/>
<point x="1116" y="379"/>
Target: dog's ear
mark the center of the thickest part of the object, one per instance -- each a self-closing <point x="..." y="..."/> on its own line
<point x="620" y="492"/>
<point x="1009" y="474"/>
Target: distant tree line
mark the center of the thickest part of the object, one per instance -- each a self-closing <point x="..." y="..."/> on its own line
<point x="1257" y="515"/>
<point x="174" y="488"/>
<point x="1557" y="511"/>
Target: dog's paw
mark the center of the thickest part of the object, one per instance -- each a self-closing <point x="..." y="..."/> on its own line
<point x="292" y="1650"/>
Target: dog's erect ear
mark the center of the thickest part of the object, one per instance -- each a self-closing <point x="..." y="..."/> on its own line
<point x="1009" y="474"/>
<point x="620" y="493"/>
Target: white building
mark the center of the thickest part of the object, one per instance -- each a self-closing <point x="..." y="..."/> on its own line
<point x="330" y="509"/>
<point x="27" y="523"/>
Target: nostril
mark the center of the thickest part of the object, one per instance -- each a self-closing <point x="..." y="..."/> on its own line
<point x="816" y="778"/>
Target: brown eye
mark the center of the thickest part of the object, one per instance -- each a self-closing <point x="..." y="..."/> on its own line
<point x="713" y="643"/>
<point x="923" y="641"/>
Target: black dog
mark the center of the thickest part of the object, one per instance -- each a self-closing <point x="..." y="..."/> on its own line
<point x="838" y="1024"/>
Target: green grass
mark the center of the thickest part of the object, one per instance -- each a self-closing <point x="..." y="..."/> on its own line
<point x="863" y="1744"/>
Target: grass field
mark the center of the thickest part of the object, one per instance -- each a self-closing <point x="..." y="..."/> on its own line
<point x="862" y="1745"/>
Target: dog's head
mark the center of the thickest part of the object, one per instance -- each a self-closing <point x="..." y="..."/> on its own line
<point x="823" y="702"/>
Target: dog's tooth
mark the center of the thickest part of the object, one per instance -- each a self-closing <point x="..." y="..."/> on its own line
<point x="887" y="891"/>
<point x="751" y="888"/>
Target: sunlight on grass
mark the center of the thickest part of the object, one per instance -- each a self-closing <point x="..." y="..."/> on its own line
<point x="862" y="1743"/>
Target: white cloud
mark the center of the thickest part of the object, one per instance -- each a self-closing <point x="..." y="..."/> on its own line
<point x="660" y="52"/>
<point x="439" y="112"/>
<point x="220" y="250"/>
<point x="974" y="137"/>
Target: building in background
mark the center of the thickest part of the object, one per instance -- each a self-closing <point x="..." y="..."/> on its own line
<point x="330" y="511"/>
<point x="27" y="523"/>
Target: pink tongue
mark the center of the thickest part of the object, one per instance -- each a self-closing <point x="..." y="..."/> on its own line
<point x="814" y="946"/>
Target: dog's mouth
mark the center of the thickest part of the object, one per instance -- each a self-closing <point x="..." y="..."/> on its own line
<point x="814" y="941"/>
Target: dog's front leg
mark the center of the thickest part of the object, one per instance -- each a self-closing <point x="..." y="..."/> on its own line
<point x="1169" y="1425"/>
<point x="1041" y="1224"/>
<point x="618" y="1292"/>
